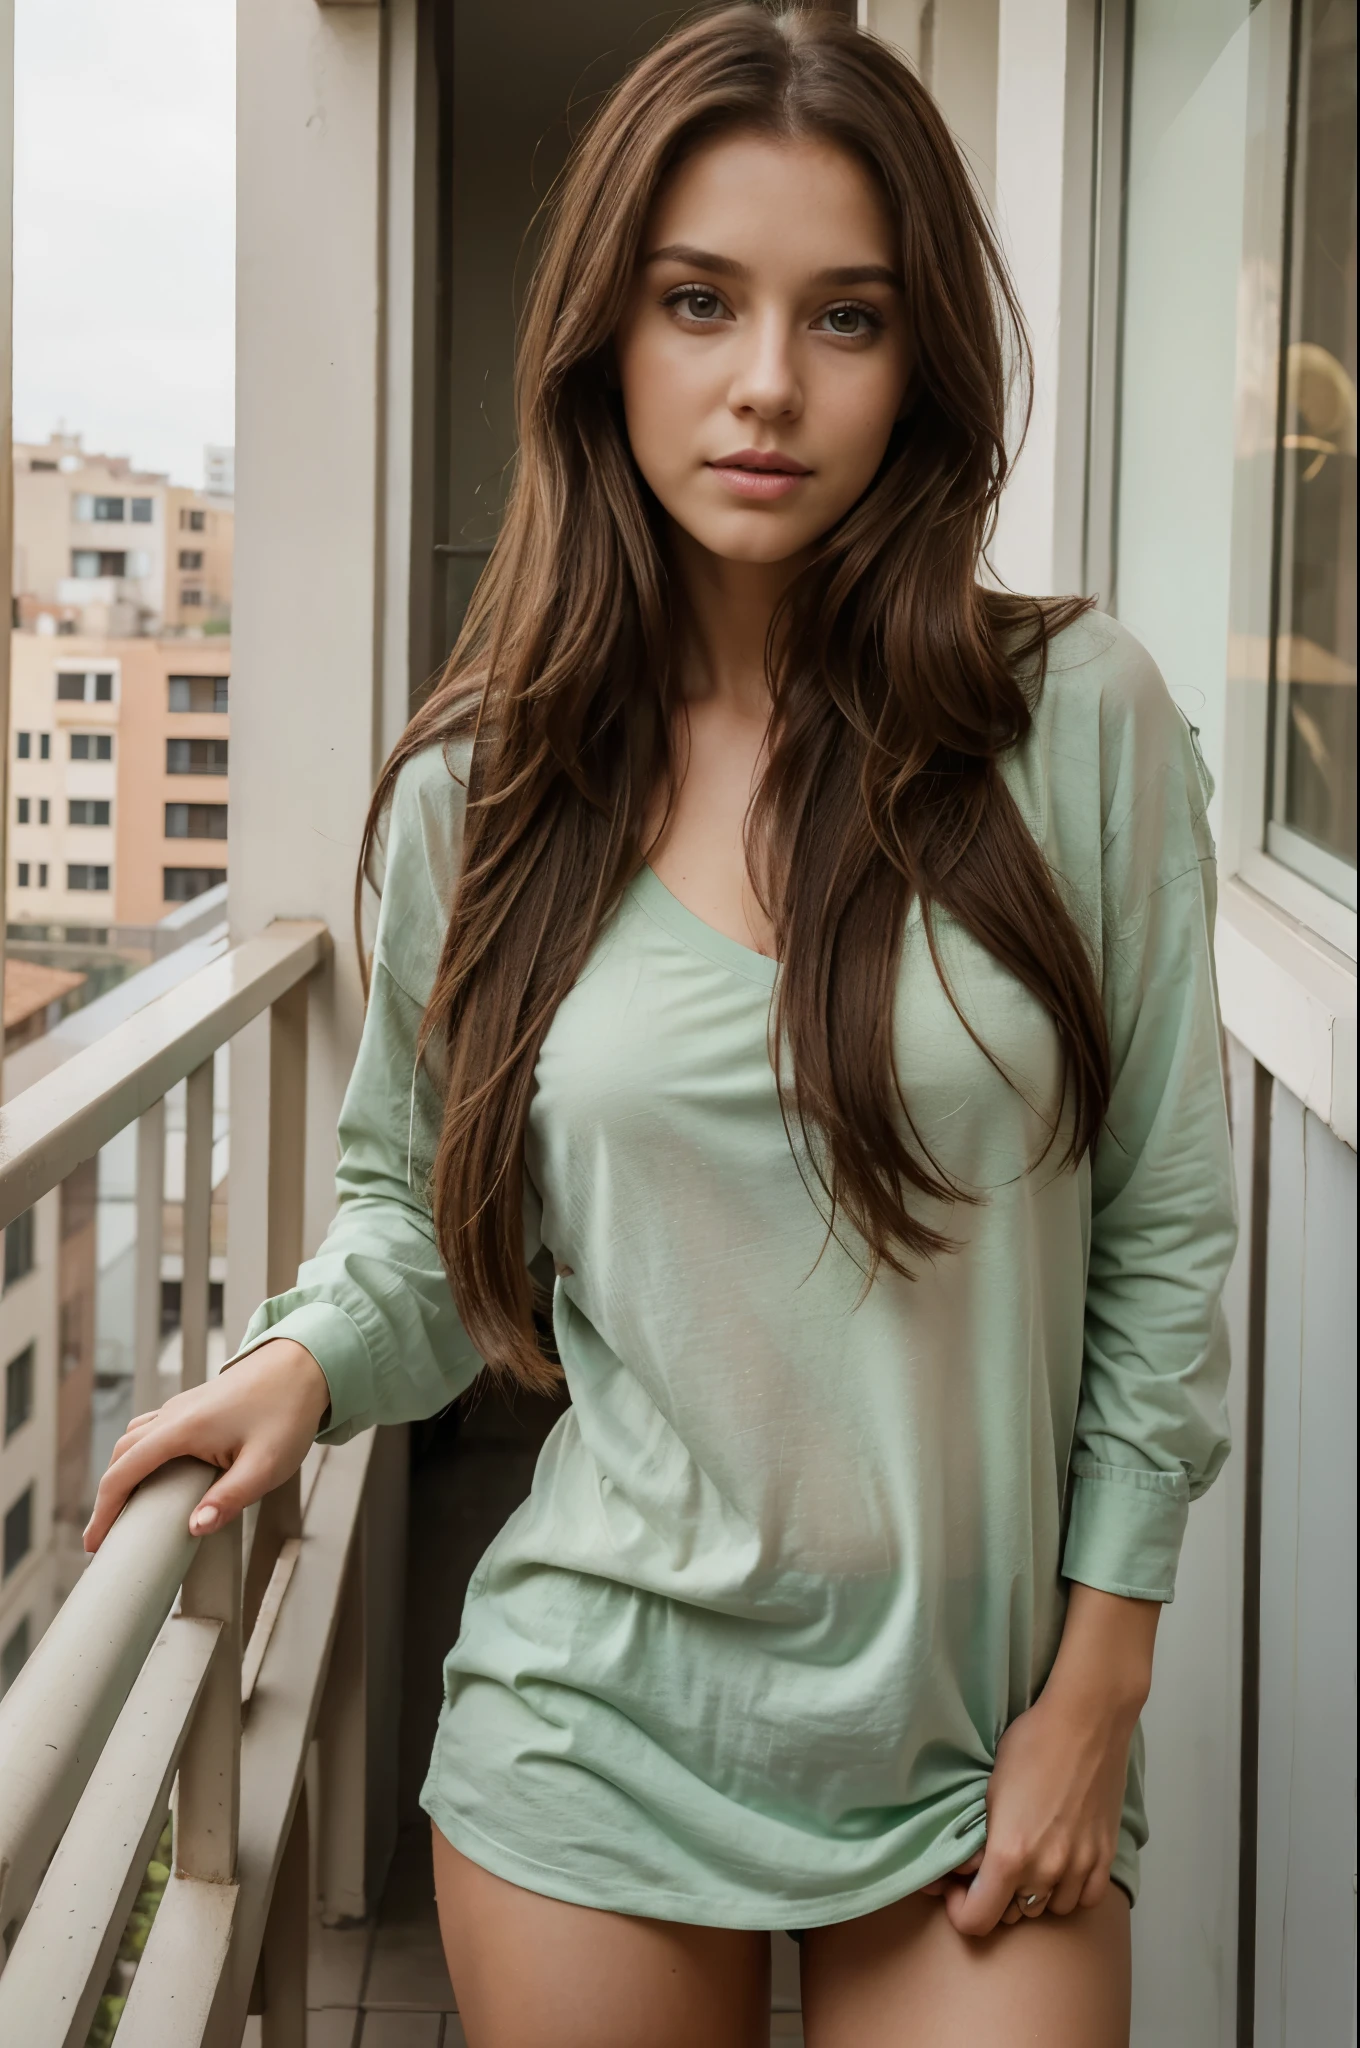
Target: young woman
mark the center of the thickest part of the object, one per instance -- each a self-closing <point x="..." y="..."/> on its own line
<point x="804" y="948"/>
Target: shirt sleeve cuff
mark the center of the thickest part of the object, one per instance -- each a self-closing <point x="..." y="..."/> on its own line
<point x="336" y="1343"/>
<point x="1125" y="1526"/>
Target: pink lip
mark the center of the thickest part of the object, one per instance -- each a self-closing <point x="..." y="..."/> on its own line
<point x="758" y="473"/>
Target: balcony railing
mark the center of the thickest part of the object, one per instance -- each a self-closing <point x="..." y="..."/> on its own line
<point x="194" y="1673"/>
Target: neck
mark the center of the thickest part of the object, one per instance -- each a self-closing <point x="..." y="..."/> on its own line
<point x="728" y="608"/>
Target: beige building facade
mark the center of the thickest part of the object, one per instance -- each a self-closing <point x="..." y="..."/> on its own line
<point x="102" y="547"/>
<point x="118" y="782"/>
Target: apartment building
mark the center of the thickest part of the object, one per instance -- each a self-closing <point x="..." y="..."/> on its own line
<point x="198" y="560"/>
<point x="118" y="783"/>
<point x="90" y="539"/>
<point x="104" y="548"/>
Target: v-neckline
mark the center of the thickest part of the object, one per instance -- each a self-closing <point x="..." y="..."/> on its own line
<point x="686" y="924"/>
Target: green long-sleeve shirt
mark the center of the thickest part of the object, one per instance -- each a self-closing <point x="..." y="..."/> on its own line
<point x="794" y="1559"/>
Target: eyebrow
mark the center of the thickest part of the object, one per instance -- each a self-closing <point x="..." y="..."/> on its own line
<point x="727" y="266"/>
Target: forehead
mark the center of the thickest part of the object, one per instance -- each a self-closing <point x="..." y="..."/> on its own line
<point x="775" y="202"/>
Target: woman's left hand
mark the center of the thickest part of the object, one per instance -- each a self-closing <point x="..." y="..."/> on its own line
<point x="1057" y="1789"/>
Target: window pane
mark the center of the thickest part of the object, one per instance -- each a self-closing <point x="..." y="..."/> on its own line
<point x="183" y="884"/>
<point x="142" y="509"/>
<point x="1315" y="642"/>
<point x="71" y="689"/>
<point x="19" y="1248"/>
<point x="18" y="1391"/>
<point x="19" y="1530"/>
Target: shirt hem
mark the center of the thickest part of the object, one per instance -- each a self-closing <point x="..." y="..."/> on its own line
<point x="554" y="1881"/>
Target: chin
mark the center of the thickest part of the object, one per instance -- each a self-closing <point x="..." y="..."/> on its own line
<point x="761" y="540"/>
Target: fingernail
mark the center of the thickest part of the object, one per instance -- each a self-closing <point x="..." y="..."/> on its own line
<point x="202" y="1520"/>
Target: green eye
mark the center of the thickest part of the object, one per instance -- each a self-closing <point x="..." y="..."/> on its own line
<point x="702" y="305"/>
<point x="850" y="321"/>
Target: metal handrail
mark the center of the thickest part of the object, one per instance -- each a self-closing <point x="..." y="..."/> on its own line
<point x="63" y="1119"/>
<point x="56" y="1717"/>
<point x="223" y="1696"/>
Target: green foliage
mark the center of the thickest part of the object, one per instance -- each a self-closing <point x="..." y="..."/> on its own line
<point x="140" y="1920"/>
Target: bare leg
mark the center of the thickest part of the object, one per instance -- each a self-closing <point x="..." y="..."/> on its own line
<point x="904" y="1978"/>
<point x="529" y="1970"/>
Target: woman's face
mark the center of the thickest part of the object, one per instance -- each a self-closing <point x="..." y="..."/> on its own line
<point x="763" y="356"/>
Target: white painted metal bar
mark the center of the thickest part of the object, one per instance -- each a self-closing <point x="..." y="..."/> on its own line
<point x="146" y="1285"/>
<point x="283" y="1952"/>
<point x="197" y="1224"/>
<point x="184" y="1961"/>
<point x="208" y="1804"/>
<point x="275" y="1740"/>
<point x="270" y="1607"/>
<point x="56" y="1717"/>
<point x="60" y="1962"/>
<point x="280" y="1517"/>
<point x="64" y="1118"/>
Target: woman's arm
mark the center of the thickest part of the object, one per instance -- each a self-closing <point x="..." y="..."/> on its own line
<point x="1151" y="1430"/>
<point x="369" y="1331"/>
<point x="1057" y="1791"/>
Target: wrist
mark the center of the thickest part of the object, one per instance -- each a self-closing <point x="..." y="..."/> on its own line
<point x="1104" y="1662"/>
<point x="284" y="1358"/>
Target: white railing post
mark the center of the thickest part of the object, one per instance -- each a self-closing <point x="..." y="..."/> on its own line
<point x="146" y="1328"/>
<point x="283" y="1953"/>
<point x="198" y="1147"/>
<point x="208" y="1805"/>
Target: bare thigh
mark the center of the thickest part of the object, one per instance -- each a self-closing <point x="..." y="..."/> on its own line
<point x="528" y="1970"/>
<point x="904" y="1978"/>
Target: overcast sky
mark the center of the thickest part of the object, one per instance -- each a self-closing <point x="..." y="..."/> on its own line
<point x="124" y="226"/>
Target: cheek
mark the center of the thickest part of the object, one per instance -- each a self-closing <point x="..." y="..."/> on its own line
<point x="857" y="416"/>
<point x="663" y="400"/>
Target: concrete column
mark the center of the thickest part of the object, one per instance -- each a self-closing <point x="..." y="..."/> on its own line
<point x="308" y="733"/>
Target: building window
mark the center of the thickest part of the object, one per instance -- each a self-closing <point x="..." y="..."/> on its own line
<point x="87" y="810"/>
<point x="191" y="558"/>
<point x="103" y="511"/>
<point x="195" y="821"/>
<point x="42" y="874"/>
<point x="18" y="1391"/>
<point x="23" y="746"/>
<point x="143" y="511"/>
<point x="19" y="1252"/>
<point x="21" y="810"/>
<point x="19" y="1530"/>
<point x="87" y="686"/>
<point x="198" y="693"/>
<point x="192" y="521"/>
<point x="87" y="563"/>
<point x="14" y="1656"/>
<point x="44" y="746"/>
<point x="85" y="876"/>
<point x="195" y="757"/>
<point x="91" y="746"/>
<point x="191" y="597"/>
<point x="1312" y="800"/>
<point x="21" y="874"/>
<point x="183" y="884"/>
<point x="44" y="810"/>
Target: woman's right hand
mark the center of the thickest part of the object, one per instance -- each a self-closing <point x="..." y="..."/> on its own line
<point x="257" y="1420"/>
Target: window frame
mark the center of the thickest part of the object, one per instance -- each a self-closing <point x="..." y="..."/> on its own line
<point x="1250" y="839"/>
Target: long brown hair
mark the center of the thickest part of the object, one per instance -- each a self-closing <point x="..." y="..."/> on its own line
<point x="903" y="683"/>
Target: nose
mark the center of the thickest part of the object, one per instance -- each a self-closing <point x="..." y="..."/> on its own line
<point x="765" y="382"/>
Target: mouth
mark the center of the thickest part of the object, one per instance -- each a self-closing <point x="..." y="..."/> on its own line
<point x="759" y="473"/>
